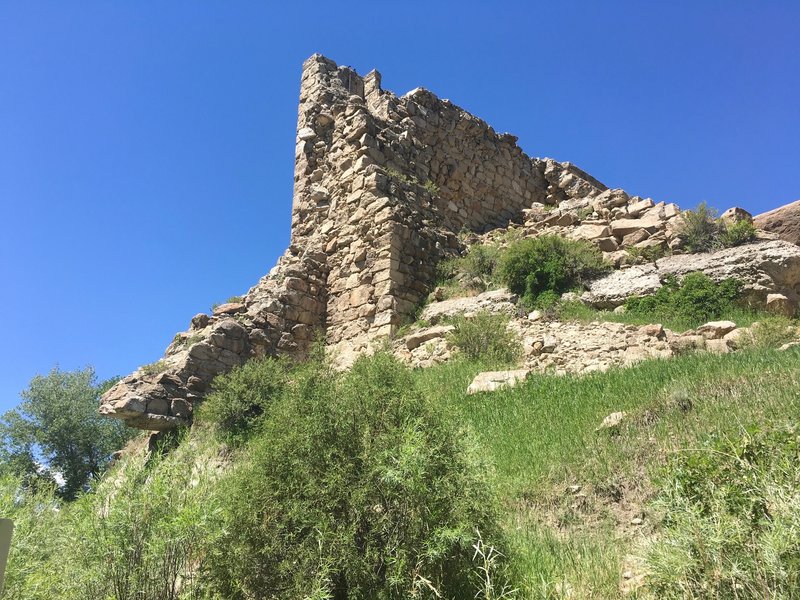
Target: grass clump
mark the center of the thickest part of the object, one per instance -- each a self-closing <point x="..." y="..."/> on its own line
<point x="549" y="265"/>
<point x="472" y="273"/>
<point x="241" y="399"/>
<point x="693" y="300"/>
<point x="772" y="332"/>
<point x="155" y="368"/>
<point x="357" y="487"/>
<point x="731" y="526"/>
<point x="485" y="337"/>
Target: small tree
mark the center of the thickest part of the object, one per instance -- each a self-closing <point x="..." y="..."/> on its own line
<point x="700" y="229"/>
<point x="57" y="430"/>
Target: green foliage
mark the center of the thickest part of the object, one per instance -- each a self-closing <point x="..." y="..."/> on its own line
<point x="699" y="228"/>
<point x="57" y="426"/>
<point x="486" y="337"/>
<point x="737" y="234"/>
<point x="772" y="332"/>
<point x="702" y="231"/>
<point x="234" y="300"/>
<point x="549" y="263"/>
<point x="475" y="271"/>
<point x="731" y="519"/>
<point x="241" y="399"/>
<point x="647" y="254"/>
<point x="140" y="533"/>
<point x="695" y="299"/>
<point x="357" y="487"/>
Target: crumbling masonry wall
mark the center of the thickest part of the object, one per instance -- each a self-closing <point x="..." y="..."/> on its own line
<point x="383" y="186"/>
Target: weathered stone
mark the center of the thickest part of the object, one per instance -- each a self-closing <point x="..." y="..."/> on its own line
<point x="490" y="381"/>
<point x="612" y="421"/>
<point x="783" y="221"/>
<point x="736" y="214"/>
<point x="763" y="267"/>
<point x="229" y="308"/>
<point x="715" y="330"/>
<point x="781" y="305"/>
<point x="418" y="338"/>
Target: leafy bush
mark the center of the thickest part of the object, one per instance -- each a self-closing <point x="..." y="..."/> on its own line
<point x="486" y="337"/>
<point x="695" y="299"/>
<point x="731" y="525"/>
<point x="239" y="399"/>
<point x="702" y="231"/>
<point x="140" y="533"/>
<point x="549" y="263"/>
<point x="474" y="271"/>
<point x="699" y="228"/>
<point x="737" y="234"/>
<point x="357" y="487"/>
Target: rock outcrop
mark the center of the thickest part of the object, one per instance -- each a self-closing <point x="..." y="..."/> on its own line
<point x="763" y="267"/>
<point x="783" y="222"/>
<point x="385" y="187"/>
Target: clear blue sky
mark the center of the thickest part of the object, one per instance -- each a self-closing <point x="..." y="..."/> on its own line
<point x="146" y="147"/>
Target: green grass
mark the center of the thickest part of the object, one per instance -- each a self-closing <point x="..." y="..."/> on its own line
<point x="541" y="438"/>
<point x="577" y="311"/>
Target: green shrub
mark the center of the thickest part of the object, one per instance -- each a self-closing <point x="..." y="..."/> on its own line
<point x="549" y="263"/>
<point x="486" y="337"/>
<point x="702" y="231"/>
<point x="357" y="487"/>
<point x="731" y="519"/>
<point x="736" y="234"/>
<point x="699" y="229"/>
<point x="474" y="271"/>
<point x="140" y="533"/>
<point x="695" y="299"/>
<point x="647" y="254"/>
<point x="240" y="399"/>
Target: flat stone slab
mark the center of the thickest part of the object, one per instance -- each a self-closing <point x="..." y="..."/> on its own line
<point x="489" y="381"/>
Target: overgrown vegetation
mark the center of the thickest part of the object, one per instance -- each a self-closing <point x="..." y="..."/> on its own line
<point x="343" y="486"/>
<point x="572" y="492"/>
<point x="356" y="488"/>
<point x="241" y="400"/>
<point x="472" y="273"/>
<point x="548" y="266"/>
<point x="731" y="518"/>
<point x="486" y="337"/>
<point x="695" y="299"/>
<point x="702" y="231"/>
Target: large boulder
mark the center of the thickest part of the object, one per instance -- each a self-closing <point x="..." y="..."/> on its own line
<point x="763" y="267"/>
<point x="783" y="221"/>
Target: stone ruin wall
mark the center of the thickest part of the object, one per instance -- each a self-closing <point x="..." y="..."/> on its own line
<point x="383" y="186"/>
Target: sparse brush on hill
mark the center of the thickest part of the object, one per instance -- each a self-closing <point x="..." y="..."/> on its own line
<point x="702" y="231"/>
<point x="549" y="265"/>
<point x="485" y="337"/>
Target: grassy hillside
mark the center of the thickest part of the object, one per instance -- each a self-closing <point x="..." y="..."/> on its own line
<point x="573" y="496"/>
<point x="407" y="460"/>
